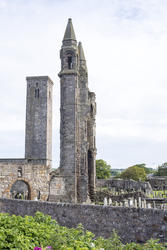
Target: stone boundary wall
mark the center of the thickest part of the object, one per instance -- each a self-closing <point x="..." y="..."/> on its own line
<point x="132" y="224"/>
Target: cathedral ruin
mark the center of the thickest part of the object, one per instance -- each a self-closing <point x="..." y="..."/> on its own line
<point x="32" y="177"/>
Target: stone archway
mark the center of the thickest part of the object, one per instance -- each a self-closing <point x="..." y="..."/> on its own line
<point x="20" y="190"/>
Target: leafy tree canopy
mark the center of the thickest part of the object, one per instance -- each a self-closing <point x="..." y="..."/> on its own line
<point x="135" y="173"/>
<point x="147" y="170"/>
<point x="103" y="170"/>
<point x="164" y="165"/>
<point x="41" y="232"/>
<point x="162" y="170"/>
<point x="116" y="172"/>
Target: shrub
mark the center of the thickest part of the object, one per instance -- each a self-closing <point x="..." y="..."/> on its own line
<point x="28" y="232"/>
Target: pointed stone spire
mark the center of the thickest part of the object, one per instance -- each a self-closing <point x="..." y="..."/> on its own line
<point x="81" y="52"/>
<point x="69" y="33"/>
<point x="81" y="55"/>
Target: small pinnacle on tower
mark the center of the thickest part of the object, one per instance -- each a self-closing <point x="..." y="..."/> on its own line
<point x="81" y="56"/>
<point x="81" y="52"/>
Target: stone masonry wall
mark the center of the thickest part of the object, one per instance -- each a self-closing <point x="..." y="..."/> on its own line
<point x="57" y="189"/>
<point x="158" y="182"/>
<point x="132" y="224"/>
<point x="33" y="173"/>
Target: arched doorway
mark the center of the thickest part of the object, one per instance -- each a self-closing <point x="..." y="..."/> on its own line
<point x="91" y="174"/>
<point x="20" y="190"/>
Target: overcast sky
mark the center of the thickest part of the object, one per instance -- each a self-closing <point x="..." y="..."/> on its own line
<point x="125" y="44"/>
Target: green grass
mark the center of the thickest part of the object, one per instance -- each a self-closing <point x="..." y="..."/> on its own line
<point x="158" y="194"/>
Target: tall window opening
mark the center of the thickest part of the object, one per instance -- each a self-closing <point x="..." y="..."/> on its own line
<point x="36" y="93"/>
<point x="91" y="108"/>
<point x="69" y="62"/>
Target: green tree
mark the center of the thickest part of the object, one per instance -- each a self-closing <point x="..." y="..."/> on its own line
<point x="134" y="173"/>
<point x="103" y="170"/>
<point x="116" y="172"/>
<point x="147" y="170"/>
<point x="162" y="170"/>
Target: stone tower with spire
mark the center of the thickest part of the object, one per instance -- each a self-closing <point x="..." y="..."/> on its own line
<point x="77" y="125"/>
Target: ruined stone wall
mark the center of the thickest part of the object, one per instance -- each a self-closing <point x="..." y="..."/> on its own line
<point x="126" y="185"/>
<point x="132" y="224"/>
<point x="83" y="113"/>
<point x="158" y="182"/>
<point x="34" y="173"/>
<point x="57" y="191"/>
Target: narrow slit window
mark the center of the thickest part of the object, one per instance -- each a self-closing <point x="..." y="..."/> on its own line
<point x="38" y="194"/>
<point x="69" y="62"/>
<point x="91" y="108"/>
<point x="36" y="93"/>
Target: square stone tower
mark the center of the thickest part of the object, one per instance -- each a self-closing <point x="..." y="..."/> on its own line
<point x="77" y="126"/>
<point x="38" y="142"/>
<point x="28" y="178"/>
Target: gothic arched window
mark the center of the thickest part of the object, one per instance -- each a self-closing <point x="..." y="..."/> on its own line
<point x="69" y="60"/>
